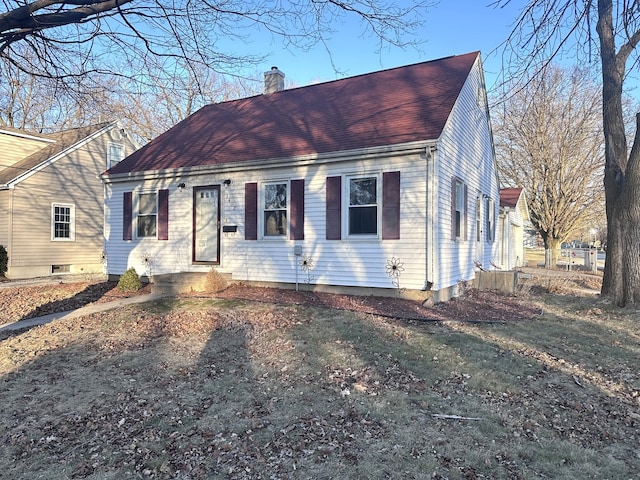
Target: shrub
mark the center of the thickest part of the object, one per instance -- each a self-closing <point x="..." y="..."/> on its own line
<point x="130" y="281"/>
<point x="4" y="260"/>
<point x="214" y="282"/>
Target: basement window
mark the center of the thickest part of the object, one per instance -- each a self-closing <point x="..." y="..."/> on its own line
<point x="60" y="269"/>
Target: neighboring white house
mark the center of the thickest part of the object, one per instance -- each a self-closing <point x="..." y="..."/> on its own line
<point x="51" y="197"/>
<point x="512" y="221"/>
<point x="384" y="181"/>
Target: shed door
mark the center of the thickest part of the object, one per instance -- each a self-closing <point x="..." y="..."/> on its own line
<point x="206" y="224"/>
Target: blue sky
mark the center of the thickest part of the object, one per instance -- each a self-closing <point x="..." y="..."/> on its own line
<point x="452" y="27"/>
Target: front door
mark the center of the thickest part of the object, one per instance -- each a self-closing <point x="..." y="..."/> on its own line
<point x="206" y="224"/>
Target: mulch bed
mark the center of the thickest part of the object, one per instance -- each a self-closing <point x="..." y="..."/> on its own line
<point x="28" y="302"/>
<point x="475" y="306"/>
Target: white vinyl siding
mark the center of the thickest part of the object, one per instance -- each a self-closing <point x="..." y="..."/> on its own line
<point x="465" y="151"/>
<point x="358" y="261"/>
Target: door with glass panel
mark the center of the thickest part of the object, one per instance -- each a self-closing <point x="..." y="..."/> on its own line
<point x="206" y="224"/>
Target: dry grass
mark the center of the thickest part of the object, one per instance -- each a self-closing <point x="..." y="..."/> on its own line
<point x="220" y="388"/>
<point x="214" y="281"/>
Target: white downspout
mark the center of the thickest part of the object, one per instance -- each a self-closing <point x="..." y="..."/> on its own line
<point x="431" y="223"/>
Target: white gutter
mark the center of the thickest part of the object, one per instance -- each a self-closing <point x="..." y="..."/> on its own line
<point x="299" y="161"/>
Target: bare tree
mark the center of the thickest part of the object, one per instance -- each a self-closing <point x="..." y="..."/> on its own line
<point x="548" y="137"/>
<point x="67" y="38"/>
<point x="608" y="31"/>
<point x="43" y="104"/>
<point x="149" y="111"/>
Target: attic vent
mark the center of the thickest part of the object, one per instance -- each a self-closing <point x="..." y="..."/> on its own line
<point x="273" y="81"/>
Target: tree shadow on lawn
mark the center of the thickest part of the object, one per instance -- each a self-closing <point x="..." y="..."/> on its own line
<point x="244" y="390"/>
<point x="21" y="303"/>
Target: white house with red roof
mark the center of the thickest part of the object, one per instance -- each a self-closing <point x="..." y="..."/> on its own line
<point x="512" y="221"/>
<point x="385" y="182"/>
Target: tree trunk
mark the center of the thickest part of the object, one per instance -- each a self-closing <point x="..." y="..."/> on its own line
<point x="553" y="246"/>
<point x="629" y="212"/>
<point x="613" y="68"/>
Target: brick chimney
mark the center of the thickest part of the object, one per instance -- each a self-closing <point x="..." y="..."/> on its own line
<point x="273" y="81"/>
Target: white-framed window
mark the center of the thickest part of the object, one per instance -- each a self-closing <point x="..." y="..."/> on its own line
<point x="275" y="199"/>
<point x="147" y="214"/>
<point x="63" y="222"/>
<point x="460" y="209"/>
<point x="115" y="154"/>
<point x="363" y="207"/>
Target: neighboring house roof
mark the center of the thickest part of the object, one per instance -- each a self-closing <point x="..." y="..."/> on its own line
<point x="390" y="107"/>
<point x="509" y="197"/>
<point x="61" y="142"/>
<point x="515" y="198"/>
<point x="25" y="134"/>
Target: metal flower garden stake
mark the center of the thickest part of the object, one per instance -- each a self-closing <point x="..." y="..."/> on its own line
<point x="394" y="269"/>
<point x="306" y="264"/>
<point x="147" y="262"/>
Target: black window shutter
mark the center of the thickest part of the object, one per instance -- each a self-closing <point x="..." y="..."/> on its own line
<point x="391" y="206"/>
<point x="297" y="210"/>
<point x="250" y="211"/>
<point x="334" y="208"/>
<point x="163" y="214"/>
<point x="127" y="216"/>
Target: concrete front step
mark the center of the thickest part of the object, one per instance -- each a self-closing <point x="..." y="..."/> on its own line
<point x="183" y="282"/>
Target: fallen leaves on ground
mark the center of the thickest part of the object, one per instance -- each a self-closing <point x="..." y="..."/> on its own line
<point x="20" y="303"/>
<point x="252" y="383"/>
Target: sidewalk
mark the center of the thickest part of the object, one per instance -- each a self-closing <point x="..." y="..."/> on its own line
<point x="86" y="310"/>
<point x="63" y="278"/>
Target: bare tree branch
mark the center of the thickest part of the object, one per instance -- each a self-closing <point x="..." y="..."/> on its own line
<point x="74" y="37"/>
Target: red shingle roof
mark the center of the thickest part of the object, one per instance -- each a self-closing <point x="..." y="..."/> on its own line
<point x="389" y="107"/>
<point x="509" y="197"/>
